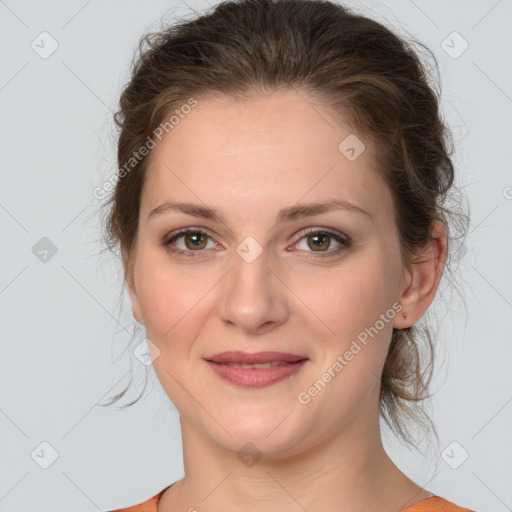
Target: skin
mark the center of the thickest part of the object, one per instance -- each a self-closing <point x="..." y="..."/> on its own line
<point x="248" y="159"/>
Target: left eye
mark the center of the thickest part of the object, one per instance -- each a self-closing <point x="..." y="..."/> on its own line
<point x="319" y="240"/>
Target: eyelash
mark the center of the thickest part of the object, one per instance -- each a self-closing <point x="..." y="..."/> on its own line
<point x="342" y="239"/>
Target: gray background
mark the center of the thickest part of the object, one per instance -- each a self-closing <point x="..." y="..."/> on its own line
<point x="62" y="323"/>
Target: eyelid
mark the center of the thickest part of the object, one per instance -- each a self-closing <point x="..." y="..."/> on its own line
<point x="328" y="231"/>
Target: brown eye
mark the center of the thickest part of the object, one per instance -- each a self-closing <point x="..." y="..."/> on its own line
<point x="195" y="240"/>
<point x="319" y="242"/>
<point x="187" y="242"/>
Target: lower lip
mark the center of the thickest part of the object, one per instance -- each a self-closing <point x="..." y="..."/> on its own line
<point x="254" y="377"/>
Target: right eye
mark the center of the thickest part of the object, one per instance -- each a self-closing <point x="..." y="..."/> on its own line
<point x="193" y="238"/>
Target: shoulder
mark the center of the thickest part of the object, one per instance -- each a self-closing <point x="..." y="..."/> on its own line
<point x="436" y="504"/>
<point x="146" y="506"/>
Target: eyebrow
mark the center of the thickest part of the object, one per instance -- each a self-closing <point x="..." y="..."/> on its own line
<point x="287" y="214"/>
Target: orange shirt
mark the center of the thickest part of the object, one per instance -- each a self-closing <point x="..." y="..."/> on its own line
<point x="432" y="504"/>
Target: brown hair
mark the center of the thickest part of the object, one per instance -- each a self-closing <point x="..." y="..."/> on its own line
<point x="359" y="68"/>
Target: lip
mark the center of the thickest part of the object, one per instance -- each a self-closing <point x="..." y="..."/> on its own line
<point x="287" y="365"/>
<point x="235" y="356"/>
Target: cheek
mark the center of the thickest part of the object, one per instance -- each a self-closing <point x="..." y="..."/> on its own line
<point x="171" y="299"/>
<point x="349" y="300"/>
<point x="357" y="307"/>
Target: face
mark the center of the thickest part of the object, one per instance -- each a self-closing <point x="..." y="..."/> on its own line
<point x="313" y="285"/>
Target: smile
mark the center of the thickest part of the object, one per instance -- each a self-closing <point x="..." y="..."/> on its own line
<point x="256" y="375"/>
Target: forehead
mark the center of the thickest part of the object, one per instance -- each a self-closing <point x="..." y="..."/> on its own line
<point x="266" y="151"/>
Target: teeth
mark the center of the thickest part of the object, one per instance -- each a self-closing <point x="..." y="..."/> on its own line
<point x="260" y="366"/>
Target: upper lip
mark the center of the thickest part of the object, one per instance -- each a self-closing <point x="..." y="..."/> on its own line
<point x="254" y="358"/>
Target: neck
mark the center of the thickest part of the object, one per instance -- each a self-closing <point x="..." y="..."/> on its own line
<point x="346" y="473"/>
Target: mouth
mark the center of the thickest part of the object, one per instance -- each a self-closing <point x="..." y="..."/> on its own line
<point x="247" y="358"/>
<point x="257" y="369"/>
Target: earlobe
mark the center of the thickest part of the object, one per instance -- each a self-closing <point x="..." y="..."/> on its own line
<point x="136" y="311"/>
<point x="424" y="276"/>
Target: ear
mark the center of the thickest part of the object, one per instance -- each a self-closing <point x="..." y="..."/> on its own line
<point x="136" y="310"/>
<point x="422" y="278"/>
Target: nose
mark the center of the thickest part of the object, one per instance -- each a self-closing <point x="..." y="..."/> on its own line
<point x="254" y="298"/>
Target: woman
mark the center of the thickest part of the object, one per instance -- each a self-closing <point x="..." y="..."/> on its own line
<point x="283" y="168"/>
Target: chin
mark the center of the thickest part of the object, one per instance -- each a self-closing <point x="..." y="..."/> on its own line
<point x="264" y="431"/>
